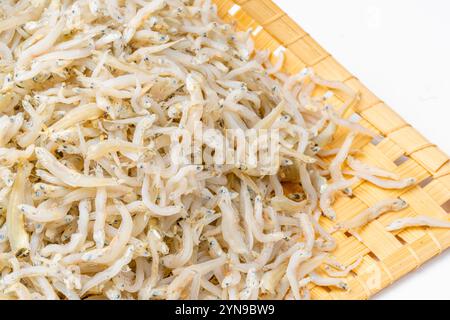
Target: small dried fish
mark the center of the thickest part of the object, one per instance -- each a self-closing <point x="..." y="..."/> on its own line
<point x="418" y="221"/>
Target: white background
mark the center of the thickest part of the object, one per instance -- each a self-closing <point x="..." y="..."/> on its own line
<point x="401" y="51"/>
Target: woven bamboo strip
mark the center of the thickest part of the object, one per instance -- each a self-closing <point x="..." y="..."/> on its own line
<point x="386" y="256"/>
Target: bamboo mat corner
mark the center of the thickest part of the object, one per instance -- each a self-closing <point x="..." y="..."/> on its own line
<point x="386" y="256"/>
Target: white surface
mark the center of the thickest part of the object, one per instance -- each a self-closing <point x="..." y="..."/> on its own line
<point x="401" y="51"/>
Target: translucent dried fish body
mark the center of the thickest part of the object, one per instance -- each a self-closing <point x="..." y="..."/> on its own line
<point x="372" y="213"/>
<point x="17" y="235"/>
<point x="417" y="222"/>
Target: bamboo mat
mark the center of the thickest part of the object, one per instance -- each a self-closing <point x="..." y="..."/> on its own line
<point x="386" y="256"/>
